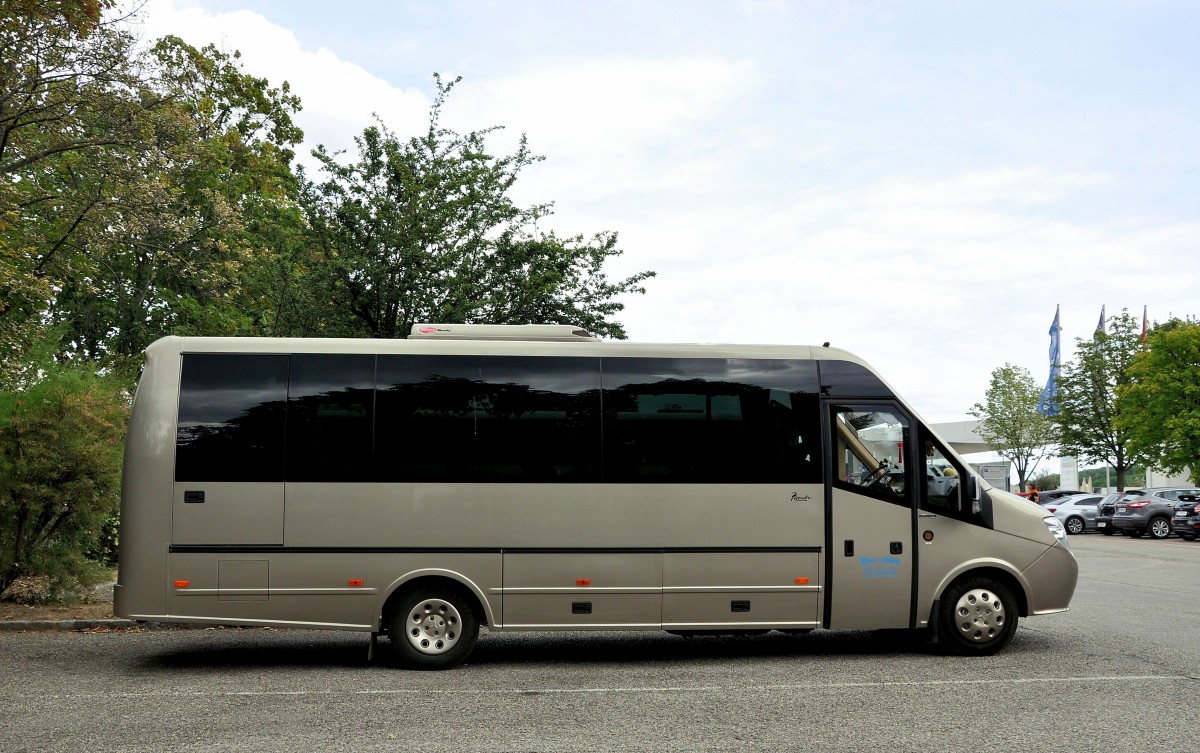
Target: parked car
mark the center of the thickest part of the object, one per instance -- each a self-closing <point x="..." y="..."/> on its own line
<point x="1186" y="523"/>
<point x="1151" y="512"/>
<point x="1077" y="512"/>
<point x="1108" y="506"/>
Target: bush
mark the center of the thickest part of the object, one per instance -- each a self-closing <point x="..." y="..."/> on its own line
<point x="61" y="443"/>
<point x="103" y="549"/>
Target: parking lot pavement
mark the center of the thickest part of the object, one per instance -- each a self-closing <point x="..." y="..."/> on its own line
<point x="1119" y="672"/>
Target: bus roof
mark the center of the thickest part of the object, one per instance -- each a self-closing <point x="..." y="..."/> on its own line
<point x="577" y="346"/>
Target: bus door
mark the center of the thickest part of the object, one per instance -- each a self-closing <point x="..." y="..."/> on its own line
<point x="869" y="506"/>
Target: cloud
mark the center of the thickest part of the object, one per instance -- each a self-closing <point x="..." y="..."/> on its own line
<point x="792" y="190"/>
<point x="338" y="96"/>
<point x="931" y="280"/>
<point x="611" y="126"/>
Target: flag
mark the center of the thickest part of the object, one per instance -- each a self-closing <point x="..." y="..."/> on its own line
<point x="1048" y="403"/>
<point x="1100" y="326"/>
<point x="1143" y="324"/>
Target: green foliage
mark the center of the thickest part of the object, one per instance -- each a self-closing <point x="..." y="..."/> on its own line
<point x="1010" y="422"/>
<point x="212" y="177"/>
<point x="1159" y="405"/>
<point x="69" y="105"/>
<point x="61" y="440"/>
<point x="138" y="193"/>
<point x="1090" y="420"/>
<point x="424" y="229"/>
<point x="1099" y="478"/>
<point x="1045" y="480"/>
<point x="103" y="549"/>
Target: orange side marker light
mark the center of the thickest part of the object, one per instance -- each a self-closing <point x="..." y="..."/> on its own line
<point x="801" y="581"/>
<point x="355" y="582"/>
<point x="583" y="581"/>
<point x="183" y="583"/>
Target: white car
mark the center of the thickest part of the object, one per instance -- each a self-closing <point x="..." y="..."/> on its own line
<point x="1077" y="512"/>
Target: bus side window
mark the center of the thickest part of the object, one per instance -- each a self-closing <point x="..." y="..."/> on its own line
<point x="711" y="420"/>
<point x="425" y="418"/>
<point x="869" y="451"/>
<point x="231" y="417"/>
<point x="539" y="420"/>
<point x="331" y="407"/>
<point x="944" y="491"/>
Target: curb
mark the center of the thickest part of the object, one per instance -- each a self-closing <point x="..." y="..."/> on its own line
<point x="30" y="626"/>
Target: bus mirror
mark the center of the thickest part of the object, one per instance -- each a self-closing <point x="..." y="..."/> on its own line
<point x="975" y="491"/>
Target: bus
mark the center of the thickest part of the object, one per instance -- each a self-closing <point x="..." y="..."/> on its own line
<point x="536" y="478"/>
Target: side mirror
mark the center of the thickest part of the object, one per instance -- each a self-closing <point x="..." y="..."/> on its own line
<point x="975" y="492"/>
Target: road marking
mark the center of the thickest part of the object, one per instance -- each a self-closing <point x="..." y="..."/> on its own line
<point x="742" y="689"/>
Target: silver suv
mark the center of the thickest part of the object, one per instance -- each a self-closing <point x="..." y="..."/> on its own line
<point x="1149" y="512"/>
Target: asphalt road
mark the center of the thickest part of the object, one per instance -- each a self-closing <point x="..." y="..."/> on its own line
<point x="1119" y="672"/>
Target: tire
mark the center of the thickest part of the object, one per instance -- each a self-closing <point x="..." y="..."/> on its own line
<point x="433" y="628"/>
<point x="977" y="616"/>
<point x="1159" y="528"/>
<point x="1075" y="525"/>
<point x="1107" y="530"/>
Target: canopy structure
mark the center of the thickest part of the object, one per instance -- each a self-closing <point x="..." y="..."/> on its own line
<point x="962" y="436"/>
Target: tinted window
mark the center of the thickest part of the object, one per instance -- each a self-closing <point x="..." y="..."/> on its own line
<point x="849" y="379"/>
<point x="538" y="420"/>
<point x="425" y="419"/>
<point x="231" y="417"/>
<point x="710" y="420"/>
<point x="493" y="419"/>
<point x="331" y="400"/>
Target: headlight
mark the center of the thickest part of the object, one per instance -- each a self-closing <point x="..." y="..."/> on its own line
<point x="1056" y="528"/>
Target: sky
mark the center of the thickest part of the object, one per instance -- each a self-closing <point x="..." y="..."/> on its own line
<point x="920" y="183"/>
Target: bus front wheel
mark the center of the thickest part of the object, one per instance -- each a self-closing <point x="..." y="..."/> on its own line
<point x="977" y="616"/>
<point x="433" y="628"/>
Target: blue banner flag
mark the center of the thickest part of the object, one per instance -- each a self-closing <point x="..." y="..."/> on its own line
<point x="1048" y="403"/>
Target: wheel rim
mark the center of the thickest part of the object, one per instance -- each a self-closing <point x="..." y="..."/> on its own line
<point x="433" y="626"/>
<point x="1074" y="525"/>
<point x="1159" y="529"/>
<point x="979" y="615"/>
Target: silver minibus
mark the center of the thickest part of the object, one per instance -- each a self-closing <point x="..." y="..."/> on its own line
<point x="536" y="478"/>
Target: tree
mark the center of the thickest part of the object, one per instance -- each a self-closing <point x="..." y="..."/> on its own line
<point x="60" y="469"/>
<point x="199" y="195"/>
<point x="426" y="230"/>
<point x="68" y="98"/>
<point x="1090" y="418"/>
<point x="138" y="192"/>
<point x="1010" y="422"/>
<point x="1159" y="406"/>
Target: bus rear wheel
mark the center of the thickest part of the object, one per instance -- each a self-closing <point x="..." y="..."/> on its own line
<point x="433" y="628"/>
<point x="977" y="616"/>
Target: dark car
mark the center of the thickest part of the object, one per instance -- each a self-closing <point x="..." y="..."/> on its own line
<point x="1151" y="512"/>
<point x="1108" y="506"/>
<point x="1186" y="523"/>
